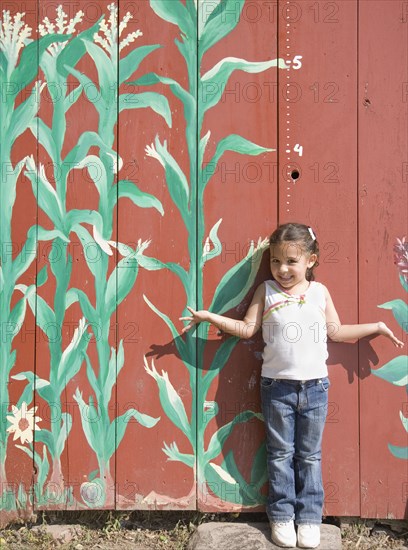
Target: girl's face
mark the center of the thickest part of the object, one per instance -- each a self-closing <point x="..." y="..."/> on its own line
<point x="289" y="263"/>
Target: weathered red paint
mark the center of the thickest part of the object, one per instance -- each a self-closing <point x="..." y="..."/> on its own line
<point x="346" y="107"/>
<point x="382" y="200"/>
<point x="317" y="110"/>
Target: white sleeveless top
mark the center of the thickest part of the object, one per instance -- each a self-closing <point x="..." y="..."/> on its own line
<point x="294" y="332"/>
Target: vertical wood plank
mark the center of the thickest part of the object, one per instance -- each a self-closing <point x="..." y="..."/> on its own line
<point x="317" y="143"/>
<point x="77" y="143"/>
<point x="240" y="200"/>
<point x="151" y="469"/>
<point x="18" y="215"/>
<point x="383" y="145"/>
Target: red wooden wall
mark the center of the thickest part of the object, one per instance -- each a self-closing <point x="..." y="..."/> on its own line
<point x="131" y="415"/>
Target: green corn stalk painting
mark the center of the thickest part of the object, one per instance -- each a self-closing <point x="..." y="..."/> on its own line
<point x="395" y="371"/>
<point x="104" y="46"/>
<point x="18" y="72"/>
<point x="59" y="53"/>
<point x="203" y="24"/>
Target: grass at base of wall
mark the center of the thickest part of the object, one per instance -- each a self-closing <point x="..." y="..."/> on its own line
<point x="171" y="530"/>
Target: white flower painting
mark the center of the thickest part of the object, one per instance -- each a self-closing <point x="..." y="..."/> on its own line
<point x="23" y="423"/>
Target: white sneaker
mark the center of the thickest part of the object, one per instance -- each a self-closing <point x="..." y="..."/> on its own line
<point x="308" y="535"/>
<point x="283" y="533"/>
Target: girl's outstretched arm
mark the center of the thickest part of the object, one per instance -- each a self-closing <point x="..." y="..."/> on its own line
<point x="243" y="329"/>
<point x="342" y="333"/>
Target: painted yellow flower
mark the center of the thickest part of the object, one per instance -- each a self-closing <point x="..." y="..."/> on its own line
<point x="23" y="423"/>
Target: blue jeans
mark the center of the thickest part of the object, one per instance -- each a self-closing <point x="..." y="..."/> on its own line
<point x="295" y="413"/>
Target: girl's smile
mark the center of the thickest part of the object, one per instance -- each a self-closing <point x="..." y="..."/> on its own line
<point x="289" y="265"/>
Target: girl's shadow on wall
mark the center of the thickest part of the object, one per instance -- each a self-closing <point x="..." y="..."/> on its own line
<point x="356" y="358"/>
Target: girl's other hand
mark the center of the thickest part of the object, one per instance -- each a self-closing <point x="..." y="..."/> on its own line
<point x="195" y="318"/>
<point x="385" y="331"/>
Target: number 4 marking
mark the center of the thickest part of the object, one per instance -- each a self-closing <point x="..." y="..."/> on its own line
<point x="298" y="149"/>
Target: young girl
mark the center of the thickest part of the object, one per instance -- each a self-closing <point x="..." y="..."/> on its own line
<point x="296" y="315"/>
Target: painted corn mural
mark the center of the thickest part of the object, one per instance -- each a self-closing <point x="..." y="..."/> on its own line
<point x="111" y="285"/>
<point x="396" y="370"/>
<point x="141" y="173"/>
<point x="201" y="26"/>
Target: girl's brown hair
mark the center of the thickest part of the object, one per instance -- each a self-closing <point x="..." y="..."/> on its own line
<point x="298" y="232"/>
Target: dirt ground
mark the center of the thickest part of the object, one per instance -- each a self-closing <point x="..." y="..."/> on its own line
<point x="169" y="530"/>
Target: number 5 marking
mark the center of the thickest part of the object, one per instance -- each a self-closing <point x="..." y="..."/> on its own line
<point x="296" y="62"/>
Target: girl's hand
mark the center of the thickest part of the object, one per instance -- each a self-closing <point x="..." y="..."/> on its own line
<point x="385" y="331"/>
<point x="196" y="317"/>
